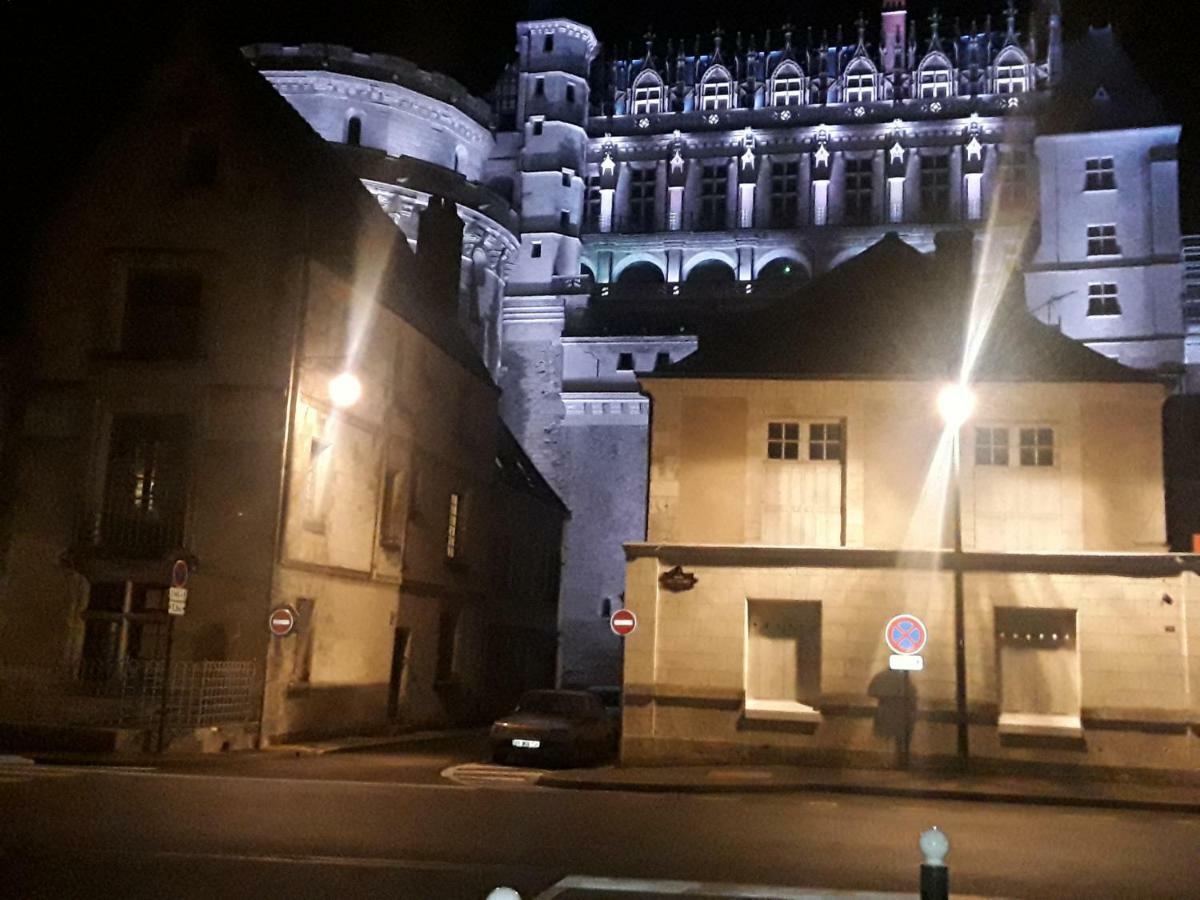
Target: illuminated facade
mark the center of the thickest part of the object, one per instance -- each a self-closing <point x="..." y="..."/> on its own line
<point x="623" y="205"/>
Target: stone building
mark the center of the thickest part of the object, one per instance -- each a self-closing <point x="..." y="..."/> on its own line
<point x="619" y="201"/>
<point x="236" y="360"/>
<point x="801" y="475"/>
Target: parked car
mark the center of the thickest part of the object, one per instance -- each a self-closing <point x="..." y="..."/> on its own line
<point x="563" y="727"/>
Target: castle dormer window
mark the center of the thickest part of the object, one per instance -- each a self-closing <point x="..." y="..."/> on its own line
<point x="787" y="87"/>
<point x="716" y="91"/>
<point x="647" y="95"/>
<point x="935" y="78"/>
<point x="859" y="82"/>
<point x="1011" y="72"/>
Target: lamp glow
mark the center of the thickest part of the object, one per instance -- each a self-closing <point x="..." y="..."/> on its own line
<point x="955" y="402"/>
<point x="345" y="389"/>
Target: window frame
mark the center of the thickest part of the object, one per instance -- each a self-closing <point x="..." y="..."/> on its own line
<point x="858" y="190"/>
<point x="1102" y="240"/>
<point x="999" y="454"/>
<point x="862" y="90"/>
<point x="1103" y="299"/>
<point x="785" y="193"/>
<point x="1039" y="449"/>
<point x="1100" y="174"/>
<point x="641" y="208"/>
<point x="714" y="206"/>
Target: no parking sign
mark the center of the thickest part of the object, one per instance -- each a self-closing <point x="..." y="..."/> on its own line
<point x="905" y="636"/>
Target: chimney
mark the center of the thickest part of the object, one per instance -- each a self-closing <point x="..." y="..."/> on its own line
<point x="439" y="253"/>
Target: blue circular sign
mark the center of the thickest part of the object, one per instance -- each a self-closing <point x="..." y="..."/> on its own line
<point x="905" y="634"/>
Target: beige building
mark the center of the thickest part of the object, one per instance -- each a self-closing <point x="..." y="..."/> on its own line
<point x="801" y="472"/>
<point x="214" y="270"/>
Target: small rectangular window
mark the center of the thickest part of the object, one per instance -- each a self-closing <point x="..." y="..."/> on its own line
<point x="537" y="126"/>
<point x="785" y="193"/>
<point x="447" y="638"/>
<point x="647" y="99"/>
<point x="570" y="93"/>
<point x="391" y="526"/>
<point x="453" y="527"/>
<point x="714" y="181"/>
<point x="1100" y="175"/>
<point x="564" y="219"/>
<point x="625" y="362"/>
<point x="641" y="199"/>
<point x="858" y="191"/>
<point x="825" y="441"/>
<point x="991" y="446"/>
<point x="1102" y="299"/>
<point x="1037" y="446"/>
<point x="539" y="87"/>
<point x="783" y="440"/>
<point x="662" y="359"/>
<point x="566" y="175"/>
<point x="317" y="493"/>
<point x="1102" y="240"/>
<point x="535" y="250"/>
<point x="548" y="44"/>
<point x="935" y="187"/>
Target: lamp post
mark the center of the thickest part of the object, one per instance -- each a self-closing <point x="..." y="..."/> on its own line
<point x="956" y="402"/>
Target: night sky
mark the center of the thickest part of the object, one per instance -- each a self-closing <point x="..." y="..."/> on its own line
<point x="64" y="63"/>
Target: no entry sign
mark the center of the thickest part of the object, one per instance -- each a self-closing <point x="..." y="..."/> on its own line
<point x="622" y="622"/>
<point x="282" y="621"/>
<point x="905" y="634"/>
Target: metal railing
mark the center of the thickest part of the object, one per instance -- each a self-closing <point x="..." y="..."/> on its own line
<point x="129" y="694"/>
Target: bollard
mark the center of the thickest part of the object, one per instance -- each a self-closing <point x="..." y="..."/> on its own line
<point x="503" y="893"/>
<point x="935" y="876"/>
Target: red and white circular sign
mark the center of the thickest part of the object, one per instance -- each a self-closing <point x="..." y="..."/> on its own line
<point x="622" y="622"/>
<point x="282" y="621"/>
<point x="905" y="634"/>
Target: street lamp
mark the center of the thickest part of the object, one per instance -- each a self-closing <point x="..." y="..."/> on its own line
<point x="345" y="389"/>
<point x="956" y="402"/>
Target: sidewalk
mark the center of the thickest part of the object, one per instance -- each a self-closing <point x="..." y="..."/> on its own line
<point x="1184" y="798"/>
<point x="372" y="742"/>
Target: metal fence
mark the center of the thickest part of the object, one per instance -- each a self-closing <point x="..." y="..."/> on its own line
<point x="130" y="694"/>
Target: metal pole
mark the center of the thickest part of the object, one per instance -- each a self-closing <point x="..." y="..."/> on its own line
<point x="166" y="686"/>
<point x="935" y="875"/>
<point x="960" y="650"/>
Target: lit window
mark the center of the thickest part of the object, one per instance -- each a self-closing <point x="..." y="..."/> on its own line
<point x="860" y="88"/>
<point x="716" y="93"/>
<point x="991" y="446"/>
<point x="1011" y="80"/>
<point x="647" y="98"/>
<point x="1102" y="299"/>
<point x="787" y="87"/>
<point x="1100" y="174"/>
<point x="1102" y="240"/>
<point x="934" y="83"/>
<point x="452" y="528"/>
<point x="1037" y="446"/>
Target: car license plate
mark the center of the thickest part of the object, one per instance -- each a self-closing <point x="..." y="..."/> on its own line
<point x="529" y="745"/>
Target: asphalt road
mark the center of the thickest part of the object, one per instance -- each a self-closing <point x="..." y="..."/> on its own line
<point x="388" y="825"/>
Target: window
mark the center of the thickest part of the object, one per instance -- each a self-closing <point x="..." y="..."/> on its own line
<point x="713" y="186"/>
<point x="935" y="187"/>
<point x="825" y="440"/>
<point x="548" y="44"/>
<point x="858" y="191"/>
<point x="201" y="160"/>
<point x="123" y="621"/>
<point x="641" y="199"/>
<point x="785" y="193"/>
<point x="1037" y="446"/>
<point x="1102" y="299"/>
<point x="391" y="520"/>
<point x="447" y="638"/>
<point x="1102" y="240"/>
<point x="592" y="208"/>
<point x="1011" y="80"/>
<point x="453" y="527"/>
<point x="535" y="250"/>
<point x="662" y="359"/>
<point x="1100" y="174"/>
<point x="145" y="486"/>
<point x="783" y="665"/>
<point x="354" y="131"/>
<point x="570" y="93"/>
<point x="860" y="88"/>
<point x="716" y="93"/>
<point x="787" y="87"/>
<point x="538" y="125"/>
<point x="625" y="362"/>
<point x="1037" y="652"/>
<point x="783" y="440"/>
<point x="539" y="87"/>
<point x="317" y="492"/>
<point x="1014" y="176"/>
<point x="564" y="220"/>
<point x="934" y="83"/>
<point x="162" y="314"/>
<point x="991" y="446"/>
<point x="647" y="98"/>
<point x="566" y="178"/>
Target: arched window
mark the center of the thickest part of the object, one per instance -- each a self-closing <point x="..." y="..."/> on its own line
<point x="935" y="77"/>
<point x="716" y="89"/>
<point x="787" y="85"/>
<point x="354" y="131"/>
<point x="1012" y="72"/>
<point x="647" y="93"/>
<point x="460" y="159"/>
<point x="712" y="271"/>
<point x="641" y="273"/>
<point x="782" y="271"/>
<point x="859" y="81"/>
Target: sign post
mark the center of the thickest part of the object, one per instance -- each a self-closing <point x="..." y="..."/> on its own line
<point x="905" y="635"/>
<point x="177" y="595"/>
<point x="282" y="621"/>
<point x="622" y="622"/>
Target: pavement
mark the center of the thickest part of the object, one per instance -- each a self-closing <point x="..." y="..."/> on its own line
<point x="1058" y="791"/>
<point x="372" y="743"/>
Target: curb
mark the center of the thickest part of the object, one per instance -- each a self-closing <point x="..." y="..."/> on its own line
<point x="553" y="781"/>
<point x="323" y="748"/>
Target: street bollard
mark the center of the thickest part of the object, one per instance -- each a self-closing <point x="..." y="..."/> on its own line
<point x="935" y="876"/>
<point x="503" y="893"/>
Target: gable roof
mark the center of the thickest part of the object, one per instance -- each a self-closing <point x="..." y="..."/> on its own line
<point x="893" y="313"/>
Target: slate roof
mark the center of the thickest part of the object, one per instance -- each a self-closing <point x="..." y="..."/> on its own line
<point x="893" y="313"/>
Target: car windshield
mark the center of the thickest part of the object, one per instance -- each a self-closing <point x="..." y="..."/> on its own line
<point x="553" y="703"/>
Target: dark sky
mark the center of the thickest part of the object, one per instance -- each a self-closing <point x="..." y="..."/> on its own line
<point x="63" y="60"/>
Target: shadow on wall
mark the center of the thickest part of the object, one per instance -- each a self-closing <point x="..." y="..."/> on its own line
<point x="896" y="712"/>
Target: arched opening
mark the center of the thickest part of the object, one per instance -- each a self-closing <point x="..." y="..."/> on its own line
<point x="712" y="271"/>
<point x="586" y="271"/>
<point x="783" y="271"/>
<point x="354" y="131"/>
<point x="641" y="273"/>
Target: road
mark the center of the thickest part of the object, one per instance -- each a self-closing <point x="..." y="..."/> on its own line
<point x="388" y="825"/>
